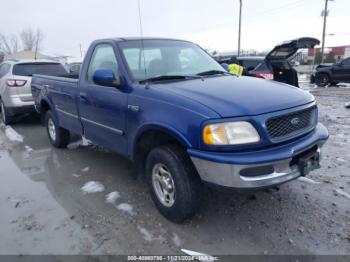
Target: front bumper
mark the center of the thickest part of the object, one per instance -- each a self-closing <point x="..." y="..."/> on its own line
<point x="263" y="168"/>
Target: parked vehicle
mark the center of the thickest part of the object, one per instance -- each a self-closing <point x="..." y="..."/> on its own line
<point x="183" y="120"/>
<point x="15" y="79"/>
<point x="256" y="66"/>
<point x="73" y="68"/>
<point x="332" y="74"/>
<point x="275" y="65"/>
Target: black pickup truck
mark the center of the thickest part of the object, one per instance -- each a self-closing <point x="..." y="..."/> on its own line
<point x="332" y="74"/>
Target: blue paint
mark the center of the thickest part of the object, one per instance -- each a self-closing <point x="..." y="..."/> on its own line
<point x="179" y="108"/>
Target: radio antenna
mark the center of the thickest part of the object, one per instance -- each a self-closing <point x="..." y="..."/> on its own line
<point x="142" y="44"/>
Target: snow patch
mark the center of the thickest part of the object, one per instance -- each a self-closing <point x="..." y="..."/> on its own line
<point x="308" y="180"/>
<point x="341" y="159"/>
<point x="76" y="175"/>
<point x="82" y="142"/>
<point x="12" y="135"/>
<point x="176" y="240"/>
<point x="93" y="187"/>
<point x="148" y="236"/>
<point x="126" y="208"/>
<point x="85" y="142"/>
<point x="112" y="197"/>
<point x="343" y="193"/>
<point x="85" y="169"/>
<point x="29" y="149"/>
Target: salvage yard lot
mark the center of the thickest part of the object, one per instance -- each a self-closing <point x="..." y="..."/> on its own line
<point x="45" y="211"/>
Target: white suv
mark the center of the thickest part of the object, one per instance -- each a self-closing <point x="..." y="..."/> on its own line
<point x="15" y="84"/>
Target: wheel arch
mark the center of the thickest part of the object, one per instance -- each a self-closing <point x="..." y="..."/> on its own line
<point x="152" y="135"/>
<point x="44" y="106"/>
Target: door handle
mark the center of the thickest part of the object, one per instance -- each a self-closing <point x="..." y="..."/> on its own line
<point x="83" y="97"/>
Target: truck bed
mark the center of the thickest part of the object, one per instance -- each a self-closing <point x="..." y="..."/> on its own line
<point x="62" y="93"/>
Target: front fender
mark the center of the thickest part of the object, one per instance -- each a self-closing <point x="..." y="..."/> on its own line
<point x="172" y="131"/>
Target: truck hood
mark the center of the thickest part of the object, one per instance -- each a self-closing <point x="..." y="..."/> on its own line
<point x="231" y="96"/>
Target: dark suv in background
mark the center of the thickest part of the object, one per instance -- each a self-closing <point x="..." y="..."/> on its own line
<point x="332" y="74"/>
<point x="275" y="65"/>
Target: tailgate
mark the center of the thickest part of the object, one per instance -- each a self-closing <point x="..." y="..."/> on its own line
<point x="289" y="48"/>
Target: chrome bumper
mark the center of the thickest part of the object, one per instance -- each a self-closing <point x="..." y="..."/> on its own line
<point x="230" y="175"/>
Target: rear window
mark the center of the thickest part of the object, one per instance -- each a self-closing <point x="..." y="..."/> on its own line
<point x="263" y="66"/>
<point x="250" y="64"/>
<point x="29" y="69"/>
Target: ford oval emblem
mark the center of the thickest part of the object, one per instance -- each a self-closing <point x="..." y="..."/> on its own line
<point x="295" y="121"/>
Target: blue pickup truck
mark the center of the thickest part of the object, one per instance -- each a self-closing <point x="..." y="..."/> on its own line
<point x="169" y="107"/>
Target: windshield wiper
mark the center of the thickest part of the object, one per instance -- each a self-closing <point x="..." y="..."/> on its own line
<point x="212" y="72"/>
<point x="168" y="77"/>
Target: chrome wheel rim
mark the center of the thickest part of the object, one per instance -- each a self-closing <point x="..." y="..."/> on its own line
<point x="163" y="184"/>
<point x="52" y="129"/>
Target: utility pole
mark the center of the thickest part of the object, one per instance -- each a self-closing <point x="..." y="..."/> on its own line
<point x="239" y="28"/>
<point x="36" y="48"/>
<point x="81" y="50"/>
<point x="325" y="14"/>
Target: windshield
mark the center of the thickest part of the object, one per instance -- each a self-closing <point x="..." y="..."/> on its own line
<point x="29" y="69"/>
<point x="152" y="58"/>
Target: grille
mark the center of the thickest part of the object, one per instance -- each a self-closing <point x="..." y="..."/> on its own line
<point x="292" y="124"/>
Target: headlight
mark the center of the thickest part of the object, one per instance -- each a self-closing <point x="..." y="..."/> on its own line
<point x="231" y="133"/>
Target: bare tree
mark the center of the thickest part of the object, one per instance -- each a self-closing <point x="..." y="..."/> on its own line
<point x="31" y="40"/>
<point x="28" y="39"/>
<point x="8" y="44"/>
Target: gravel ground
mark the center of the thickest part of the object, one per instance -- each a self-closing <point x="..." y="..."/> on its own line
<point x="59" y="202"/>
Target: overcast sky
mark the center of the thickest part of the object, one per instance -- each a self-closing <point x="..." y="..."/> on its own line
<point x="212" y="24"/>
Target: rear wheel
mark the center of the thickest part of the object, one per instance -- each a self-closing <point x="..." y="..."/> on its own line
<point x="58" y="136"/>
<point x="5" y="117"/>
<point x="322" y="80"/>
<point x="174" y="184"/>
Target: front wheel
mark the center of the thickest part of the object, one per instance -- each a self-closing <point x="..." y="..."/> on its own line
<point x="322" y="80"/>
<point x="58" y="136"/>
<point x="174" y="184"/>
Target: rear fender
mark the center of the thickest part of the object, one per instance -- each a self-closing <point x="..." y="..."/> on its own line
<point x="43" y="111"/>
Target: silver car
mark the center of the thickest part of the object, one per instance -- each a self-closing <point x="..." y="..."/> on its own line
<point x="15" y="85"/>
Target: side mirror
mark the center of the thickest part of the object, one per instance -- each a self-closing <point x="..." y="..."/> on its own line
<point x="105" y="77"/>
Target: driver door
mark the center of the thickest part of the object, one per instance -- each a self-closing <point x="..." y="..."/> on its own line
<point x="102" y="108"/>
<point x="342" y="71"/>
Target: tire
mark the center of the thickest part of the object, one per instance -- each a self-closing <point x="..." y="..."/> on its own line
<point x="5" y="117"/>
<point x="58" y="136"/>
<point x="322" y="80"/>
<point x="184" y="181"/>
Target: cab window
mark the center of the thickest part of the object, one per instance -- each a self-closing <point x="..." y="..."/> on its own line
<point x="103" y="57"/>
<point x="346" y="62"/>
